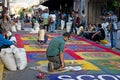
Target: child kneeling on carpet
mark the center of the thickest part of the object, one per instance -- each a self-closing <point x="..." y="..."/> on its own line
<point x="42" y="35"/>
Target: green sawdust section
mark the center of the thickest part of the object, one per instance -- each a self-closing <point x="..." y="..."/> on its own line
<point x="1" y="70"/>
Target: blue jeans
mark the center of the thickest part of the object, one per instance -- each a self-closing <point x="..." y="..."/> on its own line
<point x="45" y="39"/>
<point x="113" y="35"/>
<point x="58" y="24"/>
<point x="52" y="27"/>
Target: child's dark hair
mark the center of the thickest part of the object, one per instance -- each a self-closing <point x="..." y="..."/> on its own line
<point x="99" y="25"/>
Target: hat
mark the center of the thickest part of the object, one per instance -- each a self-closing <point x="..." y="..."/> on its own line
<point x="110" y="12"/>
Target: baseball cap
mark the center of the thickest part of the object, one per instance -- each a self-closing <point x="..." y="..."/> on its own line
<point x="110" y="12"/>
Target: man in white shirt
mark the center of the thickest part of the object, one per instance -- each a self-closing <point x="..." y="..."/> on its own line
<point x="52" y="22"/>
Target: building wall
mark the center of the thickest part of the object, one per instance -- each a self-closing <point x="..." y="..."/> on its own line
<point x="1" y="4"/>
<point x="4" y="3"/>
<point x="93" y="10"/>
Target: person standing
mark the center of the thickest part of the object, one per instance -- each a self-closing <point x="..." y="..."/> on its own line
<point x="45" y="16"/>
<point x="83" y="20"/>
<point x="112" y="19"/>
<point x="52" y="22"/>
<point x="22" y="16"/>
<point x="55" y="52"/>
<point x="73" y="28"/>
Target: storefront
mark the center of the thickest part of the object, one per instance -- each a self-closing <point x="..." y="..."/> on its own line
<point x="80" y="6"/>
<point x="63" y="5"/>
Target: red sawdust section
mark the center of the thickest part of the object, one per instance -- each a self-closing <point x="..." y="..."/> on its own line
<point x="19" y="41"/>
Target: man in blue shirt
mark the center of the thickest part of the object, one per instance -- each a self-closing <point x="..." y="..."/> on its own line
<point x="45" y="16"/>
<point x="112" y="19"/>
<point x="55" y="52"/>
<point x="4" y="43"/>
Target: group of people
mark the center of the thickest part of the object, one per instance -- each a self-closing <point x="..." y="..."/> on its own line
<point x="58" y="20"/>
<point x="50" y="22"/>
<point x="93" y="32"/>
<point x="46" y="19"/>
<point x="55" y="50"/>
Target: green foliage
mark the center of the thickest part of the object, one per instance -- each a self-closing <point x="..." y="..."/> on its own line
<point x="113" y="4"/>
<point x="20" y="10"/>
<point x="116" y="3"/>
<point x="26" y="10"/>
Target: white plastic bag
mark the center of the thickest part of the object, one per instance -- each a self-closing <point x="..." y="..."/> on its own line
<point x="20" y="57"/>
<point x="14" y="58"/>
<point x="36" y="26"/>
<point x="62" y="24"/>
<point x="18" y="26"/>
<point x="69" y="24"/>
<point x="13" y="28"/>
<point x="8" y="59"/>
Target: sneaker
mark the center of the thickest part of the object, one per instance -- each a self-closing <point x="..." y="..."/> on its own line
<point x="50" y="67"/>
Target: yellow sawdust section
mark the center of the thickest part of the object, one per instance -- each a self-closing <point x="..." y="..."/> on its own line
<point x="104" y="42"/>
<point x="78" y="42"/>
<point x="85" y="64"/>
<point x="29" y="38"/>
<point x="33" y="48"/>
<point x="1" y="70"/>
<point x="97" y="55"/>
<point x="33" y="37"/>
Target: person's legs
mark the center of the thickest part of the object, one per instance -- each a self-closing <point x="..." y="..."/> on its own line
<point x="50" y="66"/>
<point x="22" y="23"/>
<point x="74" y="29"/>
<point x="86" y="35"/>
<point x="47" y="27"/>
<point x="50" y="27"/>
<point x="54" y="26"/>
<point x="97" y="38"/>
<point x="54" y="63"/>
<point x="114" y="39"/>
<point x="45" y="38"/>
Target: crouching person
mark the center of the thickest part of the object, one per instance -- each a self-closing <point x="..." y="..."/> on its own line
<point x="42" y="35"/>
<point x="55" y="52"/>
<point x="4" y="43"/>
